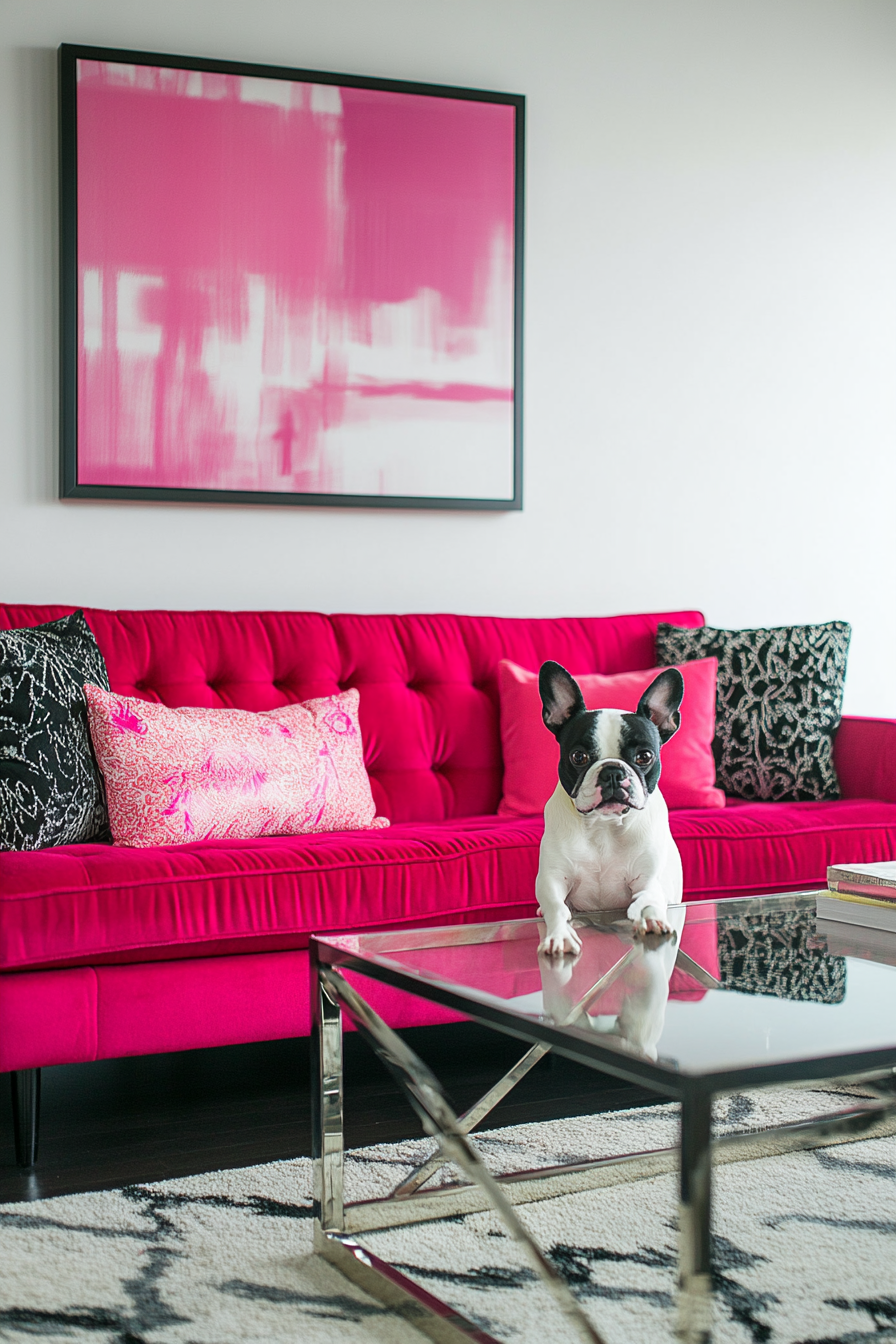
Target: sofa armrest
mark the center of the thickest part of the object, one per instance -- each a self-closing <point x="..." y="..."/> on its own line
<point x="865" y="758"/>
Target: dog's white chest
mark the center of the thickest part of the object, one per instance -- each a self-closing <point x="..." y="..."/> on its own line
<point x="600" y="864"/>
<point x="599" y="872"/>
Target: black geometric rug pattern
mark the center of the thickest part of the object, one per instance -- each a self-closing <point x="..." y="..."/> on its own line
<point x="804" y="1247"/>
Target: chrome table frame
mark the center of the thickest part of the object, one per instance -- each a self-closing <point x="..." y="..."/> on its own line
<point x="337" y="1223"/>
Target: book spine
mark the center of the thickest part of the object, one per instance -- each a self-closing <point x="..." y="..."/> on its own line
<point x="872" y="891"/>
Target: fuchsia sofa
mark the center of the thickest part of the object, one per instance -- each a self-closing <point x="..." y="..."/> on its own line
<point x="107" y="952"/>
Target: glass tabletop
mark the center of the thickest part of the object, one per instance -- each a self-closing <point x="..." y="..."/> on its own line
<point x="740" y="984"/>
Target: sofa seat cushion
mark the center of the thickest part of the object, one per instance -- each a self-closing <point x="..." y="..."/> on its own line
<point x="90" y="904"/>
<point x="763" y="847"/>
<point x="94" y="904"/>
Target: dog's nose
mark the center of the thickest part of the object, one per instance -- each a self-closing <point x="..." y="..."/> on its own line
<point x="611" y="777"/>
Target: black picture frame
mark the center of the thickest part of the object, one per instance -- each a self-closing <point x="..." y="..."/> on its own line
<point x="71" y="486"/>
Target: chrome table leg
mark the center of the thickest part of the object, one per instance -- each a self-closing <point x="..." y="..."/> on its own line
<point x="327" y="1132"/>
<point x="694" y="1270"/>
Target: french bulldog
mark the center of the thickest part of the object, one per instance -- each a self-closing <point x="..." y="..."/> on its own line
<point x="606" y="840"/>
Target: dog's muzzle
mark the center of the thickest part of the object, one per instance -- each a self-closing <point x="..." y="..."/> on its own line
<point x="614" y="791"/>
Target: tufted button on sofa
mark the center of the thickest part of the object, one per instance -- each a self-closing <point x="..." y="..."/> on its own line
<point x="106" y="951"/>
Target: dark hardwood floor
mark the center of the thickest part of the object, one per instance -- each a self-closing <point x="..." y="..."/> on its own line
<point x="120" y="1121"/>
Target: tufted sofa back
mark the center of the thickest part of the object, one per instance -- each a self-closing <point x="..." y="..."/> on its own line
<point x="428" y="684"/>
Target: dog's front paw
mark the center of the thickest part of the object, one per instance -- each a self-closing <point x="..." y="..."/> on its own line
<point x="560" y="942"/>
<point x="649" y="924"/>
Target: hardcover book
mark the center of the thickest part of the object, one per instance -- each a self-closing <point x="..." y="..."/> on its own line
<point x="874" y="880"/>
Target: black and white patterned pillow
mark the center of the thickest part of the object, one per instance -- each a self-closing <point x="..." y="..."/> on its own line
<point x="51" y="791"/>
<point x="777" y="705"/>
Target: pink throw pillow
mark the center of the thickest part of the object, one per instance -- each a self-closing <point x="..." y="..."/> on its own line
<point x="530" y="750"/>
<point x="177" y="775"/>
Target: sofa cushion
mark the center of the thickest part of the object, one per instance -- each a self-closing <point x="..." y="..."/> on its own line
<point x="51" y="792"/>
<point x="178" y="775"/>
<point x="95" y="903"/>
<point x="778" y="705"/>
<point x="90" y="904"/>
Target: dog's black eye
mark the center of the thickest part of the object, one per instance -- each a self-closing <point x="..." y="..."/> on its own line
<point x="644" y="758"/>
<point x="579" y="757"/>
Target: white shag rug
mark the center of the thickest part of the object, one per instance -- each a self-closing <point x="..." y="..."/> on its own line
<point x="804" y="1247"/>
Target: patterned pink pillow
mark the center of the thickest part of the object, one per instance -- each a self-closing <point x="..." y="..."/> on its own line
<point x="177" y="775"/>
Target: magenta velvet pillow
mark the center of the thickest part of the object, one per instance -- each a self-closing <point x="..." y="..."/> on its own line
<point x="530" y="750"/>
<point x="176" y="775"/>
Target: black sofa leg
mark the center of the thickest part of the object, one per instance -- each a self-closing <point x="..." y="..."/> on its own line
<point x="26" y="1114"/>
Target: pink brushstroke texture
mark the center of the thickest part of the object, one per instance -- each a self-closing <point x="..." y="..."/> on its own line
<point x="263" y="263"/>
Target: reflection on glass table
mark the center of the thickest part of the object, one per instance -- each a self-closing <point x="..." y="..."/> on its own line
<point x="742" y="983"/>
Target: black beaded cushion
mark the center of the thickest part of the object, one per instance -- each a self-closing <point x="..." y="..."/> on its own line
<point x="51" y="791"/>
<point x="778" y="705"/>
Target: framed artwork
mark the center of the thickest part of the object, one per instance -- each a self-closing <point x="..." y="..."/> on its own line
<point x="287" y="287"/>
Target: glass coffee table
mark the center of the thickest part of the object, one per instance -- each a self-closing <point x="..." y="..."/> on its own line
<point x="746" y="993"/>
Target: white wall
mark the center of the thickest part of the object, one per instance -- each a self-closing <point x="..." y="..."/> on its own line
<point x="710" y="321"/>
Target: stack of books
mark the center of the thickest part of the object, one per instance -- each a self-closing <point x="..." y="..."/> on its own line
<point x="861" y="893"/>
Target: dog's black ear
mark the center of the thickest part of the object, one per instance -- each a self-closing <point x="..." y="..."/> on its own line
<point x="560" y="696"/>
<point x="660" y="702"/>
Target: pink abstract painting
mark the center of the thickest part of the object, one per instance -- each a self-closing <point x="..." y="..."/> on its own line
<point x="294" y="288"/>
